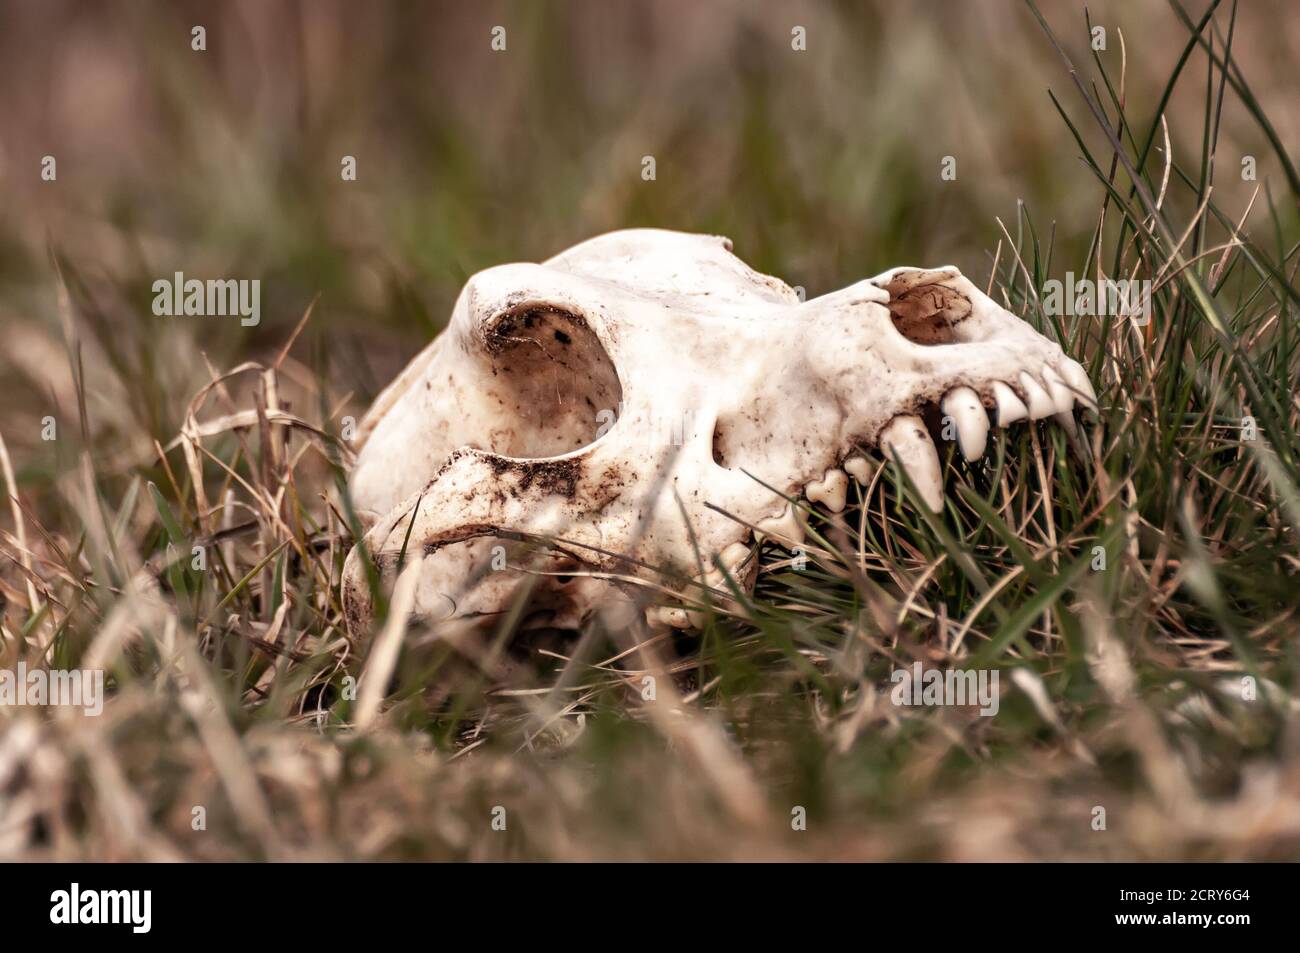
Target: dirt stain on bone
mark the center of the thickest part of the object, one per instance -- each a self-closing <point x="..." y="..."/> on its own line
<point x="928" y="314"/>
<point x="504" y="331"/>
<point x="559" y="477"/>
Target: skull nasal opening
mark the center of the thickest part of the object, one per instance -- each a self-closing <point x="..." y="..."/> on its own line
<point x="552" y="380"/>
<point x="924" y="311"/>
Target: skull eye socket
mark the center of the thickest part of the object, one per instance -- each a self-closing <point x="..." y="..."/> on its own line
<point x="927" y="313"/>
<point x="552" y="378"/>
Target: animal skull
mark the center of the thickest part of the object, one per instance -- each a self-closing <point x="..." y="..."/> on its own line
<point x="647" y="402"/>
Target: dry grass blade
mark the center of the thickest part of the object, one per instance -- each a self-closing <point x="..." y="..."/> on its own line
<point x="383" y="656"/>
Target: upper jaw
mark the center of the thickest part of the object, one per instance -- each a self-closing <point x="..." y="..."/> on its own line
<point x="811" y="393"/>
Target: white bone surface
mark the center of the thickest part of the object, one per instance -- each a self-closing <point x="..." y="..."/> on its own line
<point x="645" y="380"/>
<point x="967" y="411"/>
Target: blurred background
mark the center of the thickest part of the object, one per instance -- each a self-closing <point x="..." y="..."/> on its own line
<point x="823" y="165"/>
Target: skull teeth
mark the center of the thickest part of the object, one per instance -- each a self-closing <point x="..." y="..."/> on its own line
<point x="1038" y="401"/>
<point x="831" y="490"/>
<point x="1066" y="421"/>
<point x="1010" y="407"/>
<point x="673" y="617"/>
<point x="1077" y="378"/>
<point x="860" y="468"/>
<point x="1062" y="396"/>
<point x="728" y="561"/>
<point x="905" y="438"/>
<point x="785" y="527"/>
<point x="733" y="555"/>
<point x="532" y="348"/>
<point x="963" y="405"/>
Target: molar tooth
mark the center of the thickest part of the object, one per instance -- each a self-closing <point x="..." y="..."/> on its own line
<point x="1010" y="407"/>
<point x="733" y="555"/>
<point x="860" y="468"/>
<point x="729" y="561"/>
<point x="1061" y="395"/>
<point x="905" y="437"/>
<point x="1037" y="400"/>
<point x="963" y="405"/>
<point x="672" y="616"/>
<point x="831" y="490"/>
<point x="1077" y="378"/>
<point x="785" y="527"/>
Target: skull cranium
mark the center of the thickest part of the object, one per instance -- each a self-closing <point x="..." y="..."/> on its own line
<point x="647" y="402"/>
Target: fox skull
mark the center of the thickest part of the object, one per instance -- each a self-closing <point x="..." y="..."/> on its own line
<point x="646" y="404"/>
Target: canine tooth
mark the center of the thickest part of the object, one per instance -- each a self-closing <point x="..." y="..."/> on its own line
<point x="1077" y="378"/>
<point x="1037" y="400"/>
<point x="963" y="405"/>
<point x="905" y="437"/>
<point x="860" y="468"/>
<point x="831" y="490"/>
<point x="1061" y="395"/>
<point x="1010" y="407"/>
<point x="1066" y="420"/>
<point x="785" y="527"/>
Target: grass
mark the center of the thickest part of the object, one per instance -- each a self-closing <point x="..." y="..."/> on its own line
<point x="1124" y="586"/>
